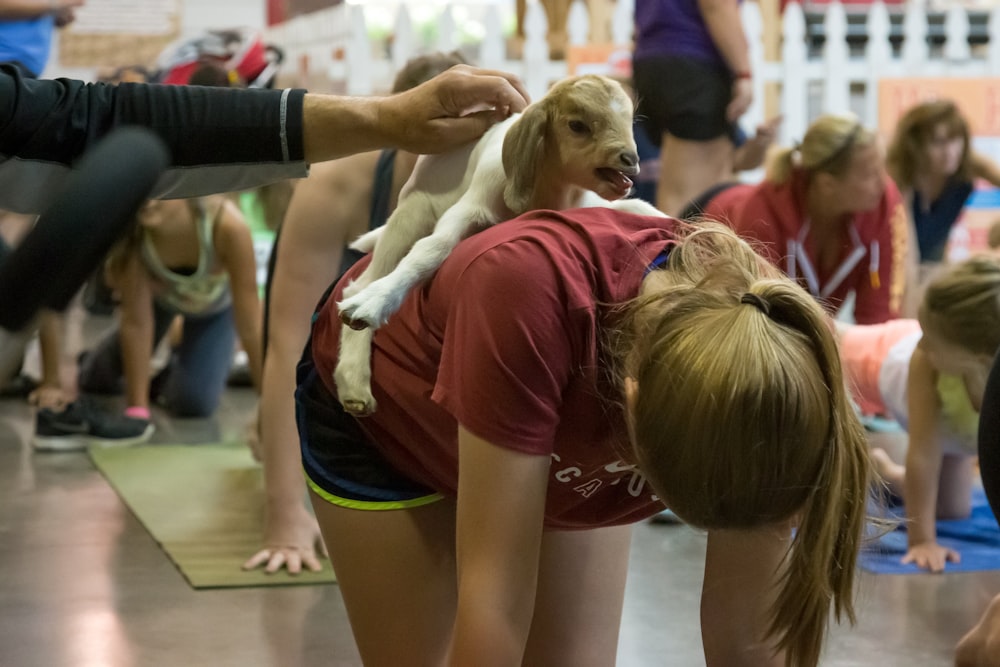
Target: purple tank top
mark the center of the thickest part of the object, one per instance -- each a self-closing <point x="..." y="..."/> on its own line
<point x="673" y="28"/>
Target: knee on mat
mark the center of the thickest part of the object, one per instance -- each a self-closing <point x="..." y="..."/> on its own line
<point x="188" y="406"/>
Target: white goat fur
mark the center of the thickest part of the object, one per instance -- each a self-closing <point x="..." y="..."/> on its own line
<point x="542" y="158"/>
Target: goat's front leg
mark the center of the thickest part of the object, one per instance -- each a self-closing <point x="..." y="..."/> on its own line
<point x="412" y="219"/>
<point x="375" y="303"/>
<point x="353" y="375"/>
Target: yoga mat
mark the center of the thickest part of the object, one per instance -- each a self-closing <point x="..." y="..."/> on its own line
<point x="976" y="539"/>
<point x="203" y="504"/>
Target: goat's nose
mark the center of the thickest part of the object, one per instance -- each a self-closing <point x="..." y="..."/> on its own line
<point x="630" y="158"/>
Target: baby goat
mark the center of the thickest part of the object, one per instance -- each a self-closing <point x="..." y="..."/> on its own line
<point x="573" y="148"/>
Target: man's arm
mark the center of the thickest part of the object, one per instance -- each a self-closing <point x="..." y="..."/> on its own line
<point x="454" y="108"/>
<point x="222" y="139"/>
<point x="219" y="139"/>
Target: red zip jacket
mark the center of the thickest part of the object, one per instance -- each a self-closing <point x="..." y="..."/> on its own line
<point x="873" y="252"/>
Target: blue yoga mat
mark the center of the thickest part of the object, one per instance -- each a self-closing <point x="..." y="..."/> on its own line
<point x="976" y="539"/>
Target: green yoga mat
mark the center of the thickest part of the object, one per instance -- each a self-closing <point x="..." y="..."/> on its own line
<point x="203" y="504"/>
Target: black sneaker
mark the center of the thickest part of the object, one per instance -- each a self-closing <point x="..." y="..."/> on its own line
<point x="20" y="386"/>
<point x="80" y="425"/>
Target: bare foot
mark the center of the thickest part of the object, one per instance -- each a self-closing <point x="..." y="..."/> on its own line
<point x="892" y="473"/>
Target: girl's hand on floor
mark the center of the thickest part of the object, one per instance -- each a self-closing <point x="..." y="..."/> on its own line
<point x="931" y="556"/>
<point x="290" y="541"/>
<point x="48" y="396"/>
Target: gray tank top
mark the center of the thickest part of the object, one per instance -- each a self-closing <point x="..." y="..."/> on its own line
<point x="203" y="292"/>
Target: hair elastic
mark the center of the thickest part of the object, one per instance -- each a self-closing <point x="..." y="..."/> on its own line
<point x="756" y="301"/>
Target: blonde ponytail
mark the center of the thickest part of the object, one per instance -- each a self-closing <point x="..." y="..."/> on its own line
<point x="742" y="421"/>
<point x="828" y="147"/>
<point x="780" y="163"/>
<point x="820" y="567"/>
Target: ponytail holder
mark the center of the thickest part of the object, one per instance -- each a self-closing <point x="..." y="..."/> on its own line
<point x="757" y="302"/>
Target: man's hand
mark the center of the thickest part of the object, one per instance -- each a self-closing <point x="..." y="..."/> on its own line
<point x="452" y="109"/>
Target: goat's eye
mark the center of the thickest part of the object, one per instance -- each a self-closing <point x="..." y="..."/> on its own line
<point x="579" y="127"/>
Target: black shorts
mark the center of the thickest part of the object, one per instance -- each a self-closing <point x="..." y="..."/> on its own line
<point x="683" y="96"/>
<point x="341" y="465"/>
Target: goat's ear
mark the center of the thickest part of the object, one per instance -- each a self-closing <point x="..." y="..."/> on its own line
<point x="522" y="152"/>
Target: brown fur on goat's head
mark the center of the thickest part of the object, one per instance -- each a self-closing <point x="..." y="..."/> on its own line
<point x="578" y="136"/>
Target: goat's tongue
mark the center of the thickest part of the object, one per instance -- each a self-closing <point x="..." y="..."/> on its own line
<point x="621" y="183"/>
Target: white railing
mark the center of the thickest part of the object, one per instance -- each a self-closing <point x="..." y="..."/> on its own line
<point x="345" y="47"/>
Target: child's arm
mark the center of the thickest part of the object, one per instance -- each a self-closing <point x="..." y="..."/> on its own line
<point x="324" y="210"/>
<point x="498" y="543"/>
<point x="135" y="315"/>
<point x="741" y="573"/>
<point x="49" y="393"/>
<point x="234" y="246"/>
<point x="923" y="467"/>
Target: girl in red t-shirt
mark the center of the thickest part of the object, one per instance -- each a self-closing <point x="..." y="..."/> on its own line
<point x="564" y="375"/>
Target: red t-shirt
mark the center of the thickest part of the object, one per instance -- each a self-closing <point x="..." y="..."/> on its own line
<point x="872" y="260"/>
<point x="506" y="339"/>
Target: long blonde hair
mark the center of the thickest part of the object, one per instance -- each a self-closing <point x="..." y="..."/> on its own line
<point x="827" y="147"/>
<point x="961" y="305"/>
<point x="741" y="420"/>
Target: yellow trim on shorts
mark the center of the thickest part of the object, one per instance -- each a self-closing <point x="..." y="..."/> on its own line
<point x="371" y="505"/>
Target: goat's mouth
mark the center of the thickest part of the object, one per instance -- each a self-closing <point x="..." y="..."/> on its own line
<point x="619" y="182"/>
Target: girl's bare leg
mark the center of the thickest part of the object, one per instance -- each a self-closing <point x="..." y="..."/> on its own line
<point x="688" y="168"/>
<point x="581" y="590"/>
<point x="954" y="499"/>
<point x="893" y="474"/>
<point x="396" y="571"/>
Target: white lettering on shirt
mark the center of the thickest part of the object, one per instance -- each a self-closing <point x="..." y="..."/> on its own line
<point x="587" y="489"/>
<point x="566" y="474"/>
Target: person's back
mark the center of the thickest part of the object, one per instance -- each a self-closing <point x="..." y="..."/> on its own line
<point x="566" y="256"/>
<point x="673" y="28"/>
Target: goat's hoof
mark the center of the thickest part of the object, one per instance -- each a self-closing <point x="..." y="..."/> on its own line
<point x="359" y="408"/>
<point x="357" y="325"/>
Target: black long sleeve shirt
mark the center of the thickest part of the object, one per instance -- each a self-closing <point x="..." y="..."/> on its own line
<point x="220" y="139"/>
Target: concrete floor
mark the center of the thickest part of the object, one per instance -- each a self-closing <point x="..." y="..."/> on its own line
<point x="82" y="584"/>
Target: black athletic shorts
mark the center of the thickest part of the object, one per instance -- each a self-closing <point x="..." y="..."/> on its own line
<point x="683" y="96"/>
<point x="340" y="464"/>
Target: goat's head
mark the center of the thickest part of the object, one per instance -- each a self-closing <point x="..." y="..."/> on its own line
<point x="578" y="135"/>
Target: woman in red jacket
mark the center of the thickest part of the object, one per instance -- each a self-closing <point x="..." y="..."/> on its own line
<point x="829" y="217"/>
